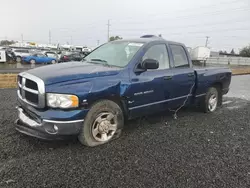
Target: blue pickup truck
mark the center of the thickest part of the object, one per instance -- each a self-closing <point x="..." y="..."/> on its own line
<point x="119" y="80"/>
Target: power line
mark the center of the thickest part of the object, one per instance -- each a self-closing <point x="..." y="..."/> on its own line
<point x="218" y="12"/>
<point x="184" y="10"/>
<point x="188" y="26"/>
<point x="169" y="18"/>
<point x="225" y="30"/>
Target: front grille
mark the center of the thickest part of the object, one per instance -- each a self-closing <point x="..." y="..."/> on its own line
<point x="31" y="90"/>
<point x="19" y="79"/>
<point x="31" y="84"/>
<point x="31" y="97"/>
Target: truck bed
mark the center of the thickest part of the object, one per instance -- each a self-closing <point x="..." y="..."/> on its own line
<point x="206" y="77"/>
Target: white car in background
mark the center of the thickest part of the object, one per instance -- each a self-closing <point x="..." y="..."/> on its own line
<point x="51" y="54"/>
<point x="20" y="53"/>
<point x="86" y="49"/>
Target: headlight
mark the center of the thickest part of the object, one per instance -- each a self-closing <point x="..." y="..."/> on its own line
<point x="62" y="100"/>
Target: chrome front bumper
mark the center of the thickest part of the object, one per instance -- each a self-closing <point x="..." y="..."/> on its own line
<point x="25" y="119"/>
<point x="46" y="129"/>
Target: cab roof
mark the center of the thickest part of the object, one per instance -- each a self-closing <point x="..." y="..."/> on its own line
<point x="149" y="38"/>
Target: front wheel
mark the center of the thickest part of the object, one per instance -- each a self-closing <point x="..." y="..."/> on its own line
<point x="211" y="101"/>
<point x="103" y="123"/>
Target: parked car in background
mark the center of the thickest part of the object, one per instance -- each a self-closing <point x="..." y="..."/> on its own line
<point x="74" y="56"/>
<point x="51" y="54"/>
<point x="20" y="54"/>
<point x="86" y="50"/>
<point x="39" y="58"/>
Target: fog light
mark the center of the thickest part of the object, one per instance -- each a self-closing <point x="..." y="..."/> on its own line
<point x="50" y="128"/>
<point x="56" y="128"/>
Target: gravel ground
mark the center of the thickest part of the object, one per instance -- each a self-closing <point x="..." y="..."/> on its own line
<point x="196" y="150"/>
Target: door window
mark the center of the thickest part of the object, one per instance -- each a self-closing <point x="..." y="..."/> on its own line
<point x="158" y="52"/>
<point x="179" y="55"/>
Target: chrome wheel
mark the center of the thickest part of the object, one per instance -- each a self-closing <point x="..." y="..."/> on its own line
<point x="32" y="61"/>
<point x="53" y="61"/>
<point x="212" y="103"/>
<point x="104" y="127"/>
<point x="18" y="59"/>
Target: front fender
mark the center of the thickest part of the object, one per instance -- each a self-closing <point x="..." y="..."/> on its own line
<point x="90" y="91"/>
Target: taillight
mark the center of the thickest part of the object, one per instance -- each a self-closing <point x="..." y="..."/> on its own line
<point x="65" y="57"/>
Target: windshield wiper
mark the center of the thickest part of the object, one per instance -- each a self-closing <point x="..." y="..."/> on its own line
<point x="101" y="60"/>
<point x="104" y="62"/>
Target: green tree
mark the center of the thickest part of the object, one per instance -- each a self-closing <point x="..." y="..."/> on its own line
<point x="245" y="52"/>
<point x="114" y="38"/>
<point x="7" y="42"/>
<point x="232" y="51"/>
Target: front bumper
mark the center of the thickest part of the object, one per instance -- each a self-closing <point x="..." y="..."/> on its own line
<point x="225" y="91"/>
<point x="47" y="129"/>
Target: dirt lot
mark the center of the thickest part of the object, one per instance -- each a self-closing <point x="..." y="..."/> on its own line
<point x="196" y="150"/>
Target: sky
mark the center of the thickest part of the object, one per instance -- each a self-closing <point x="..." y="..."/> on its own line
<point x="85" y="22"/>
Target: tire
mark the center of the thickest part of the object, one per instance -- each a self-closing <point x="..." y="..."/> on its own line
<point x="18" y="59"/>
<point x="97" y="124"/>
<point x="32" y="61"/>
<point x="211" y="101"/>
<point x="53" y="62"/>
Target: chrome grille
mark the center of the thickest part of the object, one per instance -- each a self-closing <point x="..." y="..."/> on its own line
<point x="31" y="90"/>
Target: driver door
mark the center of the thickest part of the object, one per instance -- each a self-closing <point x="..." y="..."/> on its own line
<point x="148" y="91"/>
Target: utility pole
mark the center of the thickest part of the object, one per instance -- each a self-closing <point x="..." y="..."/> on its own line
<point x="98" y="42"/>
<point x="71" y="41"/>
<point x="207" y="37"/>
<point x="108" y="29"/>
<point x="22" y="38"/>
<point x="49" y="37"/>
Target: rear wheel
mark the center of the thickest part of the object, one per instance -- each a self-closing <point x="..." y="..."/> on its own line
<point x="211" y="101"/>
<point x="103" y="123"/>
<point x="53" y="61"/>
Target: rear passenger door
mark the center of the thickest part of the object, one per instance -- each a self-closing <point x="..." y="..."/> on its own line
<point x="183" y="75"/>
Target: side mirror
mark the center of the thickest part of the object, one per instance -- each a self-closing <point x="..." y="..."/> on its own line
<point x="150" y="64"/>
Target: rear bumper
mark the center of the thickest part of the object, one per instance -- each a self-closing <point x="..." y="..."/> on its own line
<point x="46" y="129"/>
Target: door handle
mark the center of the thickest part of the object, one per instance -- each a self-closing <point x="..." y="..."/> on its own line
<point x="190" y="74"/>
<point x="167" y="77"/>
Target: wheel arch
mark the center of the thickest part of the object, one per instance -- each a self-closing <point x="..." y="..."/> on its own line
<point x="120" y="101"/>
<point x="219" y="87"/>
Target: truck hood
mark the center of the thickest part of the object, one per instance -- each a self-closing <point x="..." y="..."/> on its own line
<point x="63" y="72"/>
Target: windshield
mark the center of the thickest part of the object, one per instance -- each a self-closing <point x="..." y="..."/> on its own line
<point x="117" y="53"/>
